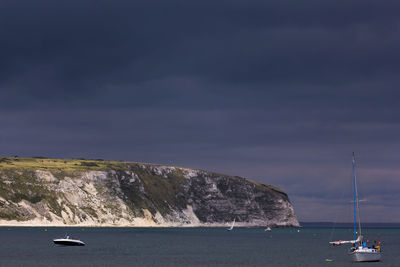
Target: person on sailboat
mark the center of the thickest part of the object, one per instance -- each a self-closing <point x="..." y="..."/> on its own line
<point x="378" y="247"/>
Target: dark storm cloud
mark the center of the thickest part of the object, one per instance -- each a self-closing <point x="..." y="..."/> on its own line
<point x="51" y="50"/>
<point x="278" y="91"/>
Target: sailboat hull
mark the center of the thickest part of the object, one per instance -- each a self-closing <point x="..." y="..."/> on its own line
<point x="366" y="254"/>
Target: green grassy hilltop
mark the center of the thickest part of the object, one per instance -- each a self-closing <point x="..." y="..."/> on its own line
<point x="67" y="165"/>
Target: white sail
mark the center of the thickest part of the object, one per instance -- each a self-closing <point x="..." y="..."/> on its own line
<point x="233" y="224"/>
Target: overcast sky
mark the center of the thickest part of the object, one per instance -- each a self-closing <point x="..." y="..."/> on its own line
<point x="280" y="92"/>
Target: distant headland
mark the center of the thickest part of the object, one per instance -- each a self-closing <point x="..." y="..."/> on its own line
<point x="81" y="192"/>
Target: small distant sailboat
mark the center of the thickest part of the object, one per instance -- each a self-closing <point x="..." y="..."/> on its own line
<point x="233" y="224"/>
<point x="359" y="251"/>
<point x="268" y="229"/>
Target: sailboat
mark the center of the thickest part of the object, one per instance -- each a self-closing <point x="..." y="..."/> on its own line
<point x="233" y="224"/>
<point x="359" y="251"/>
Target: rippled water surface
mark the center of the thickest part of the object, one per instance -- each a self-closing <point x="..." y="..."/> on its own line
<point x="188" y="247"/>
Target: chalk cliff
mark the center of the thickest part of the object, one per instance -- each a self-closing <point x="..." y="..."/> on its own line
<point x="39" y="191"/>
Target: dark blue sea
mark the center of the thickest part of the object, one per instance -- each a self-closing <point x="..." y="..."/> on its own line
<point x="32" y="246"/>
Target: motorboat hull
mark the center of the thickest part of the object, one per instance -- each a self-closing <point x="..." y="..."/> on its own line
<point x="68" y="242"/>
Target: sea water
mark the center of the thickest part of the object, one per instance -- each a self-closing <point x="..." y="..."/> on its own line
<point x="33" y="246"/>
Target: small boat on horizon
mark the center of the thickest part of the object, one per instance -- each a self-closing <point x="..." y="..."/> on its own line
<point x="67" y="241"/>
<point x="233" y="224"/>
<point x="268" y="229"/>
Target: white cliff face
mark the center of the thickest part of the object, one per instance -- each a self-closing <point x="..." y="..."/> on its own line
<point x="140" y="195"/>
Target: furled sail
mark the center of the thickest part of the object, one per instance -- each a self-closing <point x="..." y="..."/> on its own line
<point x="338" y="243"/>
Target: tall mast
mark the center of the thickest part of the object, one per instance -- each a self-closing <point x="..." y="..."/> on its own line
<point x="354" y="197"/>
<point x="356" y="202"/>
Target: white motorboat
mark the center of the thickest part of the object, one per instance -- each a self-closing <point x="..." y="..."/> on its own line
<point x="67" y="241"/>
<point x="268" y="229"/>
<point x="360" y="250"/>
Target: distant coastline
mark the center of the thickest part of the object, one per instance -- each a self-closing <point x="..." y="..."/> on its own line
<point x="348" y="225"/>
